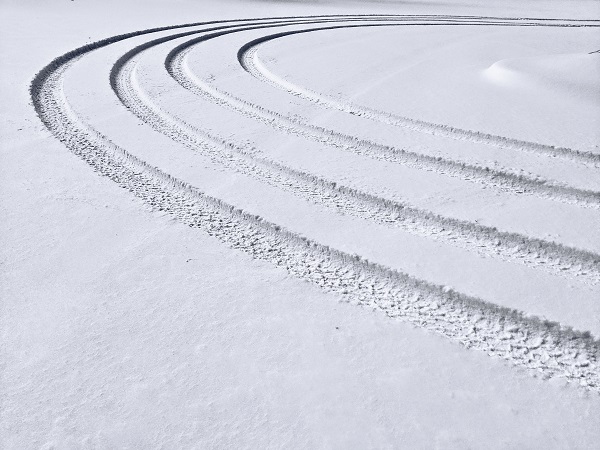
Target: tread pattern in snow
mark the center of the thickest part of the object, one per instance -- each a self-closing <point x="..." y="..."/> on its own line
<point x="539" y="345"/>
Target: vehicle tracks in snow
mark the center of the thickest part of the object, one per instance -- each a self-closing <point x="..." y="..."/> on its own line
<point x="543" y="347"/>
<point x="488" y="241"/>
<point x="248" y="58"/>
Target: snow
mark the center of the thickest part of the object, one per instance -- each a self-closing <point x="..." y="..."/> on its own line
<point x="138" y="311"/>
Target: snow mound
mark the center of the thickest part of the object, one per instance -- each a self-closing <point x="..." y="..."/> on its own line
<point x="574" y="74"/>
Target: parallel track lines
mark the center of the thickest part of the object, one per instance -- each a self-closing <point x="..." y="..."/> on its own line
<point x="462" y="233"/>
<point x="552" y="257"/>
<point x="539" y="345"/>
<point x="248" y="59"/>
<point x="502" y="180"/>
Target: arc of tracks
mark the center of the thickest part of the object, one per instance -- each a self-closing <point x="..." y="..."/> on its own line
<point x="500" y="179"/>
<point x="248" y="59"/>
<point x="550" y="256"/>
<point x="530" y="342"/>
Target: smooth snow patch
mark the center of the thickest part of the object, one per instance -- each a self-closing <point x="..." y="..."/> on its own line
<point x="574" y="74"/>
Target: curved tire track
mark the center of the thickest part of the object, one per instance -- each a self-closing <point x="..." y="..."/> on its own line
<point x="550" y="256"/>
<point x="500" y="179"/>
<point x="250" y="62"/>
<point x="538" y="345"/>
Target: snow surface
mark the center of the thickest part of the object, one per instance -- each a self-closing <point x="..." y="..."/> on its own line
<point x="458" y="161"/>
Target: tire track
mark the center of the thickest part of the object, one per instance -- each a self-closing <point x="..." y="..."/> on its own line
<point x="549" y="256"/>
<point x="176" y="64"/>
<point x="248" y="58"/>
<point x="542" y="347"/>
<point x="500" y="179"/>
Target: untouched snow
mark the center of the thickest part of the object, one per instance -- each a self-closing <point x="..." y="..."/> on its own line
<point x="459" y="163"/>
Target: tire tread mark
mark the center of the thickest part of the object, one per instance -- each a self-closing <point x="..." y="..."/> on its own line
<point x="554" y="258"/>
<point x="246" y="57"/>
<point x="536" y="344"/>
